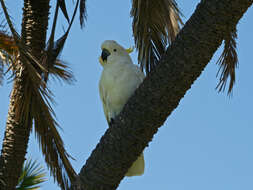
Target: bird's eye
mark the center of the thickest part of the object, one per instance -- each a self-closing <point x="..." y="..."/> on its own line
<point x="114" y="50"/>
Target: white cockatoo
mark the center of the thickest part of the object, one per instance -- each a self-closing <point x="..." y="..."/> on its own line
<point x="119" y="79"/>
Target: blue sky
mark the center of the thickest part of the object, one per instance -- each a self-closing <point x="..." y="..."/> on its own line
<point x="206" y="143"/>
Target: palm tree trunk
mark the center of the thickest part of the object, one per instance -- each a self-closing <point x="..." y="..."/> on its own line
<point x="160" y="93"/>
<point x="15" y="142"/>
<point x="34" y="28"/>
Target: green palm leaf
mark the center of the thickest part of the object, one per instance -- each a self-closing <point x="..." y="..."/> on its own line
<point x="31" y="177"/>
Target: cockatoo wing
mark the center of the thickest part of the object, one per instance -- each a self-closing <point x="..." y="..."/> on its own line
<point x="139" y="73"/>
<point x="103" y="98"/>
<point x="115" y="90"/>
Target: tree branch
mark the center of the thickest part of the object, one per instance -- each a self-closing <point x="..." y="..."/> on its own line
<point x="160" y="93"/>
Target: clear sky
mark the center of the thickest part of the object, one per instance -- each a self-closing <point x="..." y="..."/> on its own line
<point x="205" y="144"/>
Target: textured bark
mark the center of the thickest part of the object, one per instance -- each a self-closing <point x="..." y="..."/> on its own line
<point x="14" y="143"/>
<point x="34" y="28"/>
<point x="160" y="93"/>
<point x="34" y="25"/>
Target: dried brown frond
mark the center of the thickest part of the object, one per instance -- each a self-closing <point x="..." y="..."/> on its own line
<point x="83" y="12"/>
<point x="61" y="71"/>
<point x="8" y="48"/>
<point x="51" y="144"/>
<point x="6" y="60"/>
<point x="7" y="43"/>
<point x="35" y="103"/>
<point x="62" y="5"/>
<point x="53" y="50"/>
<point x="8" y="52"/>
<point x="155" y="26"/>
<point x="228" y="62"/>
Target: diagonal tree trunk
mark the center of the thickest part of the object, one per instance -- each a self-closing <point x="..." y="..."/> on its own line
<point x="160" y="93"/>
<point x="34" y="28"/>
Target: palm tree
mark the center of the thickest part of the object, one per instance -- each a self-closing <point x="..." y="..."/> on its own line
<point x="31" y="61"/>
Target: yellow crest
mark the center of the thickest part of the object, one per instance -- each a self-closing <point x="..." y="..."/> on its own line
<point x="130" y="50"/>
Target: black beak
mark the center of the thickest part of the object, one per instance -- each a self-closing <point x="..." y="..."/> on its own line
<point x="105" y="54"/>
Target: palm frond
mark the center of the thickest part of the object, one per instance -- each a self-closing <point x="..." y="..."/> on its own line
<point x="228" y="62"/>
<point x="6" y="60"/>
<point x="155" y="26"/>
<point x="51" y="144"/>
<point x="35" y="103"/>
<point x="54" y="49"/>
<point x="83" y="12"/>
<point x="61" y="71"/>
<point x="8" y="52"/>
<point x="62" y="5"/>
<point x="31" y="177"/>
<point x="7" y="43"/>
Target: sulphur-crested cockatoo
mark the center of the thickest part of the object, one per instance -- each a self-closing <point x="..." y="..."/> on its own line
<point x="119" y="80"/>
